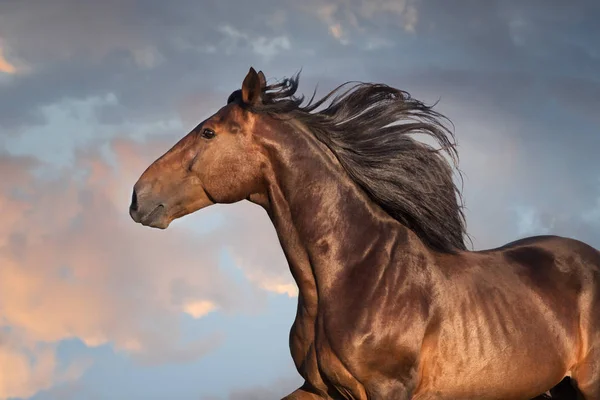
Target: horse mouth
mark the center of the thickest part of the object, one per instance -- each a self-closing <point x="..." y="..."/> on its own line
<point x="156" y="218"/>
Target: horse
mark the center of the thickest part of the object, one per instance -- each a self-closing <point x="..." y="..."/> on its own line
<point x="392" y="304"/>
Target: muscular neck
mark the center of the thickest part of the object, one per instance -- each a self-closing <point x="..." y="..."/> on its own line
<point x="326" y="225"/>
<point x="325" y="222"/>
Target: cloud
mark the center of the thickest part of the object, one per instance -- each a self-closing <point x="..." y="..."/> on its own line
<point x="261" y="45"/>
<point x="91" y="49"/>
<point x="406" y="10"/>
<point x="5" y="65"/>
<point x="578" y="95"/>
<point x="276" y="390"/>
<point x="199" y="309"/>
<point x="519" y="80"/>
<point x="348" y="19"/>
<point x="28" y="368"/>
<point x="147" y="57"/>
<point x="71" y="29"/>
<point x="73" y="265"/>
<point x="526" y="144"/>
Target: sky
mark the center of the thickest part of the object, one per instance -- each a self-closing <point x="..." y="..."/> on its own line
<point x="95" y="306"/>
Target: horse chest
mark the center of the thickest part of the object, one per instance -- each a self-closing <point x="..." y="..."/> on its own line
<point x="359" y="359"/>
<point x="334" y="372"/>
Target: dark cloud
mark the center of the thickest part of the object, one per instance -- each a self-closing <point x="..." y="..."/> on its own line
<point x="147" y="56"/>
<point x="150" y="56"/>
<point x="578" y="96"/>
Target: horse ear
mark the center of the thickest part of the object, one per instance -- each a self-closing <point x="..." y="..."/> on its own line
<point x="251" y="88"/>
<point x="263" y="80"/>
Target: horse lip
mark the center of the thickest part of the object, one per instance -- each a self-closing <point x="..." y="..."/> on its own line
<point x="154" y="218"/>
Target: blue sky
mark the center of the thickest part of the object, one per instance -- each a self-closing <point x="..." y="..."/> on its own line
<point x="94" y="306"/>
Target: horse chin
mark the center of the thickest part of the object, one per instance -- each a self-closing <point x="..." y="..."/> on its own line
<point x="158" y="218"/>
<point x="158" y="224"/>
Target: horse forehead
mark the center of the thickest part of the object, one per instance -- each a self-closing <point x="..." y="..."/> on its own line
<point x="233" y="116"/>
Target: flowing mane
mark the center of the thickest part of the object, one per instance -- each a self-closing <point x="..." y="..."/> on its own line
<point x="368" y="127"/>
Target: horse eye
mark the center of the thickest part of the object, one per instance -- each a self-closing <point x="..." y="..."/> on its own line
<point x="208" y="133"/>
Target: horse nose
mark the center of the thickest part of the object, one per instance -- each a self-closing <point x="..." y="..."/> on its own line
<point x="134" y="203"/>
<point x="133" y="207"/>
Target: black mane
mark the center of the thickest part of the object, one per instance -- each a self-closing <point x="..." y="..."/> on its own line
<point x="368" y="128"/>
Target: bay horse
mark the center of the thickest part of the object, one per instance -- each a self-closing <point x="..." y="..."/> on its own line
<point x="391" y="304"/>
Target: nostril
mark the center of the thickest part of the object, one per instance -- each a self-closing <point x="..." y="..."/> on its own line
<point x="134" y="202"/>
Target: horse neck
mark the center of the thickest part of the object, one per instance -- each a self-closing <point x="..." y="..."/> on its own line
<point x="326" y="224"/>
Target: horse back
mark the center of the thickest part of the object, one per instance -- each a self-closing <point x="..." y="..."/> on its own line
<point x="564" y="272"/>
<point x="556" y="266"/>
<point x="531" y="305"/>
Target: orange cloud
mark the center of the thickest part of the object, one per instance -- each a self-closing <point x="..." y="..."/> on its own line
<point x="344" y="18"/>
<point x="22" y="378"/>
<point x="6" y="66"/>
<point x="73" y="265"/>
